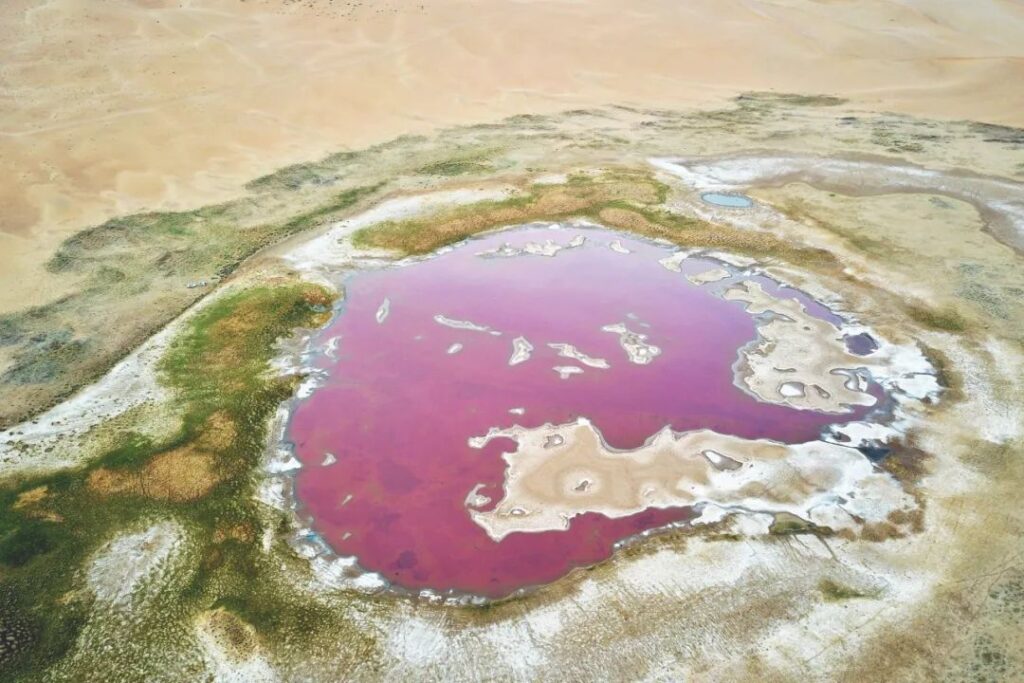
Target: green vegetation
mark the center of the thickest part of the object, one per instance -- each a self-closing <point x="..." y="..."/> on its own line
<point x="325" y="172"/>
<point x="894" y="142"/>
<point x="834" y="591"/>
<point x="990" y="132"/>
<point x="786" y="524"/>
<point x="946" y="320"/>
<point x="454" y="167"/>
<point x="799" y="209"/>
<point x="473" y="160"/>
<point x="217" y="368"/>
<point x="621" y="199"/>
<point x="137" y="272"/>
<point x="791" y="99"/>
<point x="207" y="241"/>
<point x="321" y="214"/>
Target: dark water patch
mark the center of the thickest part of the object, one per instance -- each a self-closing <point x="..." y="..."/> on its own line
<point x="875" y="452"/>
<point x="862" y="344"/>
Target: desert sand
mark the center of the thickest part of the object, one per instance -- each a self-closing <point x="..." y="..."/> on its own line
<point x="117" y="107"/>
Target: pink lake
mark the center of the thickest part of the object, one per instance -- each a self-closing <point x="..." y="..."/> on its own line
<point x="383" y="442"/>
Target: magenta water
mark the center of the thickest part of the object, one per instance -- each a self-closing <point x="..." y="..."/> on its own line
<point x="402" y="397"/>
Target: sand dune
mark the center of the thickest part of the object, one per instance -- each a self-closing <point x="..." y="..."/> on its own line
<point x="111" y="108"/>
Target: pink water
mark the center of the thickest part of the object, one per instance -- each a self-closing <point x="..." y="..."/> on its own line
<point x="396" y="410"/>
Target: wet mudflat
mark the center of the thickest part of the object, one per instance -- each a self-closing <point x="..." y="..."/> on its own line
<point x="528" y="326"/>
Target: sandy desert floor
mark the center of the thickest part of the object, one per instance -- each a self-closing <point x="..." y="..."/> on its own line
<point x="117" y="107"/>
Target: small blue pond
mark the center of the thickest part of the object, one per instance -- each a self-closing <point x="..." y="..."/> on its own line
<point x="732" y="201"/>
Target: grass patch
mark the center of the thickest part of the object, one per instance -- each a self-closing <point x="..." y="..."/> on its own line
<point x="339" y="202"/>
<point x="833" y="591"/>
<point x="136" y="273"/>
<point x="944" y="320"/>
<point x="25" y="541"/>
<point x="786" y="524"/>
<point x="803" y="211"/>
<point x="217" y="368"/>
<point x="990" y="132"/>
<point x="623" y="200"/>
<point x="454" y="167"/>
<point x="790" y="99"/>
<point x="945" y="373"/>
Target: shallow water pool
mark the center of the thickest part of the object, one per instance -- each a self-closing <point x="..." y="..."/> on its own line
<point x="527" y="326"/>
<point x="730" y="201"/>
